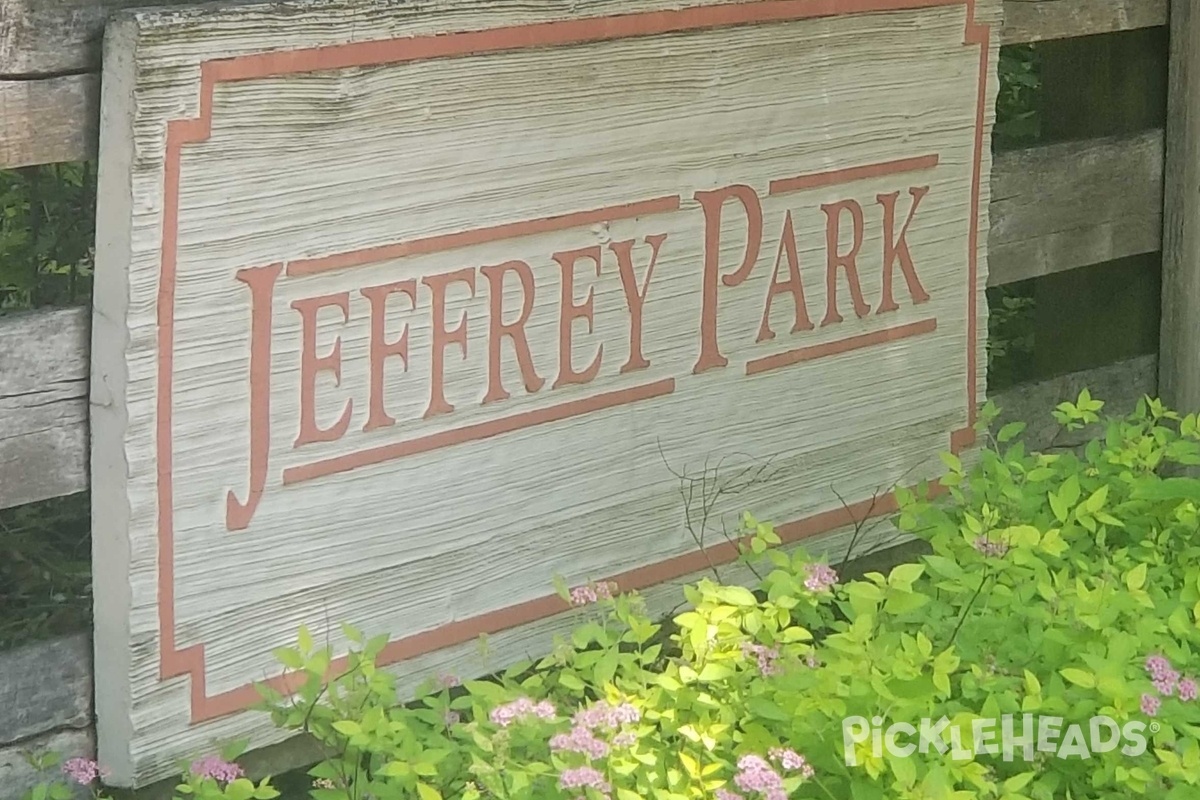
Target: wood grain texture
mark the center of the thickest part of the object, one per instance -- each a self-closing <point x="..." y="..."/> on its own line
<point x="48" y="120"/>
<point x="45" y="686"/>
<point x="48" y="117"/>
<point x="50" y="37"/>
<point x="1179" y="346"/>
<point x="1039" y="20"/>
<point x="43" y="405"/>
<point x="1069" y="205"/>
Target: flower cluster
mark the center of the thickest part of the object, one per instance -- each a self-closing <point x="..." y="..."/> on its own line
<point x="990" y="548"/>
<point x="766" y="657"/>
<point x="1167" y="682"/>
<point x="607" y="716"/>
<point x="83" y="770"/>
<point x="580" y="740"/>
<point x="584" y="778"/>
<point x="216" y="768"/>
<point x="756" y="775"/>
<point x="519" y="709"/>
<point x="593" y="593"/>
<point x="821" y="578"/>
<point x="792" y="761"/>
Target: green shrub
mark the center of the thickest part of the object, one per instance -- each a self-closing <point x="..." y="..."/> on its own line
<point x="1061" y="585"/>
<point x="1043" y="650"/>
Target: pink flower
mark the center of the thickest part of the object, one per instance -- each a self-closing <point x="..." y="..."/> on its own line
<point x="1158" y="665"/>
<point x="766" y="657"/>
<point x="1188" y="690"/>
<point x="579" y="740"/>
<point x="821" y="578"/>
<point x="1150" y="705"/>
<point x="583" y="777"/>
<point x="83" y="770"/>
<point x="989" y="548"/>
<point x="448" y="681"/>
<point x="592" y="593"/>
<point x="1166" y="684"/>
<point x="1162" y="674"/>
<point x="790" y="760"/>
<point x="725" y="794"/>
<point x="606" y="715"/>
<point x="519" y="709"/>
<point x="626" y="739"/>
<point x="216" y="768"/>
<point x="755" y="775"/>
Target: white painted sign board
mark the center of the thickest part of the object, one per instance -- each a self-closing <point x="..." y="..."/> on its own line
<point x="403" y="310"/>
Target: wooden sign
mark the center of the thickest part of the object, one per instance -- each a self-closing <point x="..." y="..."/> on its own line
<point x="404" y="310"/>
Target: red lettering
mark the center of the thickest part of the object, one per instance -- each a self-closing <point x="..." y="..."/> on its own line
<point x="381" y="348"/>
<point x="311" y="364"/>
<point x="441" y="336"/>
<point x="793" y="285"/>
<point x="635" y="300"/>
<point x="261" y="282"/>
<point x="712" y="202"/>
<point x="514" y="330"/>
<point x="897" y="247"/>
<point x="846" y="261"/>
<point x="571" y="311"/>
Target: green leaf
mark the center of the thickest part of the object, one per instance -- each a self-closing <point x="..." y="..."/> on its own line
<point x="762" y="707"/>
<point x="952" y="461"/>
<point x="737" y="596"/>
<point x="427" y="792"/>
<point x="289" y="657"/>
<point x="305" y="640"/>
<point x="714" y="671"/>
<point x="240" y="789"/>
<point x="347" y="727"/>
<point x="1096" y="502"/>
<point x="1136" y="578"/>
<point x="905" y="575"/>
<point x="1010" y="431"/>
<point x="1059" y="507"/>
<point x="1079" y="677"/>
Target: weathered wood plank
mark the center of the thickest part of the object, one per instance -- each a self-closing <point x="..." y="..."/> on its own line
<point x="43" y="405"/>
<point x="48" y="120"/>
<point x="45" y="686"/>
<point x="50" y="37"/>
<point x="1069" y="205"/>
<point x="1039" y="20"/>
<point x="1180" y="333"/>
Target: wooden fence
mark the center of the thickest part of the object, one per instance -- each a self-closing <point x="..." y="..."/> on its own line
<point x="1057" y="207"/>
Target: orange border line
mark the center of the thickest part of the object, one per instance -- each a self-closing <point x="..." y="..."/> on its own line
<point x="817" y="180"/>
<point x="815" y="351"/>
<point x="477" y="431"/>
<point x="492" y="233"/>
<point x="190" y="661"/>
